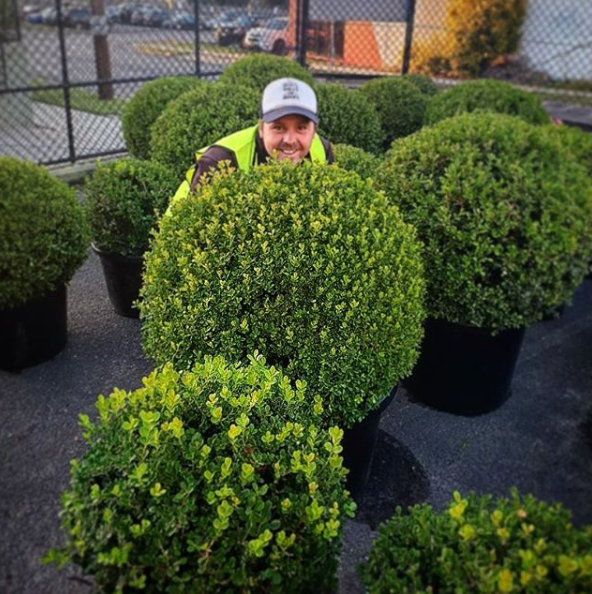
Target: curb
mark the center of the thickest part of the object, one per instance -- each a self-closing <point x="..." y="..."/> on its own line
<point x="74" y="173"/>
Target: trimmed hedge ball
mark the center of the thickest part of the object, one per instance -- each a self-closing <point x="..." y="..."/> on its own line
<point x="308" y="264"/>
<point x="355" y="159"/>
<point x="345" y="117"/>
<point x="199" y="118"/>
<point x="209" y="480"/>
<point x="486" y="95"/>
<point x="124" y="200"/>
<point x="504" y="213"/>
<point x="143" y="109"/>
<point x="400" y="105"/>
<point x="259" y="70"/>
<point x="512" y="544"/>
<point x="44" y="234"/>
<point x="423" y="82"/>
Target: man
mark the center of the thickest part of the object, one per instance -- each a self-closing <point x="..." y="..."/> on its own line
<point x="286" y="131"/>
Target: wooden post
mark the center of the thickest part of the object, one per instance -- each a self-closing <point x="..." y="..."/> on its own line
<point x="100" y="30"/>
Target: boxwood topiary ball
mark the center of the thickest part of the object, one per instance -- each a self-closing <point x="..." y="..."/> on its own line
<point x="215" y="479"/>
<point x="504" y="212"/>
<point x="355" y="159"/>
<point x="259" y="70"/>
<point x="307" y="264"/>
<point x="400" y="105"/>
<point x="124" y="200"/>
<point x="510" y="544"/>
<point x="486" y="95"/>
<point x="44" y="235"/>
<point x="199" y="118"/>
<point x="345" y="117"/>
<point x="143" y="109"/>
<point x="423" y="82"/>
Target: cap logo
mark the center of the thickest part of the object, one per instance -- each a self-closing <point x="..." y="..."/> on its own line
<point x="290" y="90"/>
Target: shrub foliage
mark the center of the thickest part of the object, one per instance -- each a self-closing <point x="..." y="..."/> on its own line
<point x="474" y="36"/>
<point x="355" y="159"/>
<point x="209" y="480"/>
<point x="146" y="105"/>
<point x="487" y="95"/>
<point x="400" y="105"/>
<point x="346" y="117"/>
<point x="423" y="82"/>
<point x="479" y="544"/>
<point x="306" y="264"/>
<point x="259" y="70"/>
<point x="504" y="212"/>
<point x="44" y="235"/>
<point x="124" y="200"/>
<point x="199" y="118"/>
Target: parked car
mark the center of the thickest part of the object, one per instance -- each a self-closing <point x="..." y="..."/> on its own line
<point x="214" y="22"/>
<point x="179" y="20"/>
<point x="270" y="37"/>
<point x="234" y="30"/>
<point x="114" y="14"/>
<point x="49" y="16"/>
<point x="148" y="16"/>
<point x="77" y="17"/>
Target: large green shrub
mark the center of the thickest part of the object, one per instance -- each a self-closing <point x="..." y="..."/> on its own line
<point x="259" y="70"/>
<point x="146" y="105"/>
<point x="400" y="105"/>
<point x="213" y="480"/>
<point x="199" y="118"/>
<point x="355" y="159"/>
<point x="577" y="142"/>
<point x="346" y="117"/>
<point x="44" y="235"/>
<point x="473" y="36"/>
<point x="504" y="212"/>
<point x="423" y="82"/>
<point x="124" y="200"/>
<point x="480" y="545"/>
<point x="486" y="95"/>
<point x="307" y="264"/>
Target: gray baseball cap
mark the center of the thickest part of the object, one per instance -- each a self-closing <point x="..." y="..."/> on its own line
<point x="288" y="96"/>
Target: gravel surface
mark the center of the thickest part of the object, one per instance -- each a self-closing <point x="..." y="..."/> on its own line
<point x="540" y="440"/>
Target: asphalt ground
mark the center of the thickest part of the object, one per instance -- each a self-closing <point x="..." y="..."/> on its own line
<point x="540" y="440"/>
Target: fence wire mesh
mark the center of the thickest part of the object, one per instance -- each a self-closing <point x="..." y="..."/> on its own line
<point x="68" y="67"/>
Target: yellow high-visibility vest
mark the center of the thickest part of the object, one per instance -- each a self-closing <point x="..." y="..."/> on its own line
<point x="242" y="144"/>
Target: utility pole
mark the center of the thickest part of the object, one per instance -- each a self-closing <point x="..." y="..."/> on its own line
<point x="100" y="29"/>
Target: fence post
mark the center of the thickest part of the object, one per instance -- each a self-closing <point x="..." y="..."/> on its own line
<point x="408" y="36"/>
<point x="302" y="26"/>
<point x="65" y="81"/>
<point x="100" y="28"/>
<point x="196" y="39"/>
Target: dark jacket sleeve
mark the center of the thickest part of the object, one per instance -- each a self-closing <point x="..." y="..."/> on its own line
<point x="209" y="163"/>
<point x="328" y="150"/>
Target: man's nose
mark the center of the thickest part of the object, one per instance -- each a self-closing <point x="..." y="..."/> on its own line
<point x="289" y="137"/>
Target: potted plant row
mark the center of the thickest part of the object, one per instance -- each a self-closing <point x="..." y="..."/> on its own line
<point x="124" y="200"/>
<point x="307" y="264"/>
<point x="505" y="216"/>
<point x="44" y="238"/>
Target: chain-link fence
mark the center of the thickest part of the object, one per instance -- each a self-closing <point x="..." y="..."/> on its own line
<point x="67" y="67"/>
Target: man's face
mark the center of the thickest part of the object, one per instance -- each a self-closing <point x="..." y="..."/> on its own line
<point x="288" y="138"/>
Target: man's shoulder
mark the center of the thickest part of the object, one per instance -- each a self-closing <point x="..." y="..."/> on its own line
<point x="328" y="149"/>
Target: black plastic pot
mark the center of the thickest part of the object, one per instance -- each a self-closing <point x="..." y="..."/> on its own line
<point x="123" y="276"/>
<point x="358" y="448"/>
<point x="463" y="369"/>
<point x="35" y="331"/>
